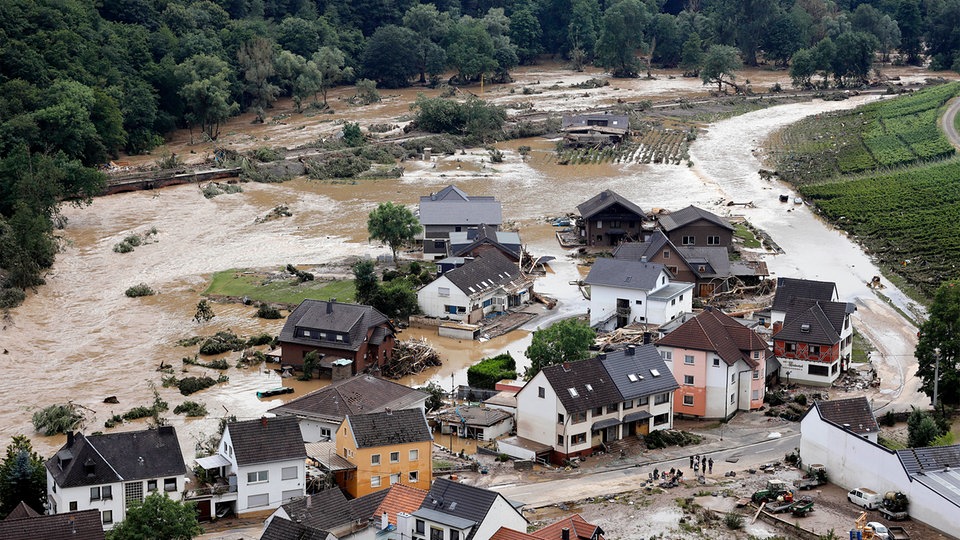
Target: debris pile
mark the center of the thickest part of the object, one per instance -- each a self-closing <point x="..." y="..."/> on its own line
<point x="620" y="337"/>
<point x="410" y="357"/>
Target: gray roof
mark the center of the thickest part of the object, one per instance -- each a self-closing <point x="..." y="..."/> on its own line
<point x="671" y="290"/>
<point x="443" y="518"/>
<point x="464" y="242"/>
<point x="632" y="371"/>
<point x="486" y="271"/>
<point x="575" y="377"/>
<point x="284" y="529"/>
<point x="853" y="412"/>
<point x="613" y="120"/>
<point x="117" y="457"/>
<point x="813" y="321"/>
<point x="715" y="260"/>
<point x="625" y="274"/>
<point x="353" y="320"/>
<point x="476" y="416"/>
<point x="937" y="468"/>
<point x="82" y="525"/>
<point x="451" y="206"/>
<point x="267" y="440"/>
<point x="459" y="500"/>
<point x="355" y="395"/>
<point x="790" y="288"/>
<point x="389" y="428"/>
<point x="688" y="215"/>
<point x="636" y="251"/>
<point x="605" y="199"/>
<point x="325" y="510"/>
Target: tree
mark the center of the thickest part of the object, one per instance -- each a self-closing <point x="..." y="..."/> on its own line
<point x="23" y="477"/>
<point x="436" y="396"/>
<point x="691" y="57"/>
<point x="206" y="93"/>
<point x="394" y="225"/>
<point x="910" y="23"/>
<point x="802" y="68"/>
<point x="922" y="429"/>
<point x="526" y="33"/>
<point x="471" y="50"/>
<point x="781" y="39"/>
<point x="365" y="281"/>
<point x="204" y="312"/>
<point x="396" y="299"/>
<point x="582" y="31"/>
<point x="566" y="341"/>
<point x="940" y="336"/>
<point x="719" y="65"/>
<point x="853" y="57"/>
<point x="332" y="66"/>
<point x="621" y="36"/>
<point x="158" y="517"/>
<point x="390" y="56"/>
<point x="256" y="60"/>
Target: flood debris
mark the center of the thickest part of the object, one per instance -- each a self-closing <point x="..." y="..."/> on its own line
<point x="410" y="357"/>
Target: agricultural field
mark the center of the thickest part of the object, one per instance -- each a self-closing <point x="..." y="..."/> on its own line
<point x="881" y="135"/>
<point x="650" y="144"/>
<point x="908" y="218"/>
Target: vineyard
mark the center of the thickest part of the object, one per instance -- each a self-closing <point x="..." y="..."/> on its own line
<point x="885" y="134"/>
<point x="909" y="219"/>
<point x="650" y="144"/>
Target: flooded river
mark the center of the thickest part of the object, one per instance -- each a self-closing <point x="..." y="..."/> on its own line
<point x="79" y="339"/>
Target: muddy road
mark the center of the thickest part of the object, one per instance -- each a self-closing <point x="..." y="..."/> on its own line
<point x="79" y="338"/>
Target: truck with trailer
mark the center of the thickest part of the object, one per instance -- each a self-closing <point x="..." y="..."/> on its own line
<point x="894" y="506"/>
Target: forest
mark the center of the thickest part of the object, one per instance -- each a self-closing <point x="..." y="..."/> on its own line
<point x="83" y="80"/>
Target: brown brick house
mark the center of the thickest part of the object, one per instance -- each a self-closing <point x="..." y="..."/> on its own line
<point x="608" y="219"/>
<point x="694" y="226"/>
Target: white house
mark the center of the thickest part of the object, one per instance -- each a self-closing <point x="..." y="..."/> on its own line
<point x="930" y="477"/>
<point x="454" y="511"/>
<point x="108" y="472"/>
<point x="790" y="288"/>
<point x="624" y="292"/>
<point x="259" y="465"/>
<point x="487" y="284"/>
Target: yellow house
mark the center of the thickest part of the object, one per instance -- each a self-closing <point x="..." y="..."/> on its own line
<point x="387" y="448"/>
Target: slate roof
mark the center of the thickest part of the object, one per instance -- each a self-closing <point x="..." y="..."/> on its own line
<point x="475" y="416"/>
<point x="929" y="459"/>
<point x="351" y="319"/>
<point x="462" y="243"/>
<point x="624" y="274"/>
<point x="577" y="375"/>
<point x="790" y="288"/>
<point x="325" y="510"/>
<point x="485" y="272"/>
<point x="603" y="200"/>
<point x="459" y="500"/>
<point x="117" y="457"/>
<point x="814" y="321"/>
<point x="855" y="412"/>
<point x="389" y="428"/>
<point x="365" y="507"/>
<point x="355" y="395"/>
<point x="284" y="529"/>
<point x="399" y="498"/>
<point x="715" y="259"/>
<point x="83" y="525"/>
<point x="267" y="440"/>
<point x="688" y="215"/>
<point x="633" y="373"/>
<point x="22" y="510"/>
<point x="452" y="206"/>
<point x="579" y="529"/>
<point x="714" y="331"/>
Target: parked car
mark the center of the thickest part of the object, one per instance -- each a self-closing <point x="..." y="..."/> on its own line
<point x="864" y="497"/>
<point x="880" y="531"/>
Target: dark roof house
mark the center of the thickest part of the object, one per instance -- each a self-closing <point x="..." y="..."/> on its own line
<point x="328" y="510"/>
<point x="625" y="274"/>
<point x="694" y="226"/>
<point x="814" y="321"/>
<point x="606" y="199"/>
<point x="577" y="527"/>
<point x="356" y="395"/>
<point x="452" y="206"/>
<point x="790" y="288"/>
<point x="82" y="525"/>
<point x="854" y="414"/>
<point x="474" y="242"/>
<point x="388" y="428"/>
<point x="582" y="385"/>
<point x="608" y="219"/>
<point x="284" y="529"/>
<point x="469" y="506"/>
<point x="487" y="271"/>
<point x="266" y="440"/>
<point x="638" y="371"/>
<point x="689" y="215"/>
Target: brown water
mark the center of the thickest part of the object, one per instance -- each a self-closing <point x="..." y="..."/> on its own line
<point x="79" y="339"/>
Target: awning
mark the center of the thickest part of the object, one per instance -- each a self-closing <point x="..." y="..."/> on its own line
<point x="634" y="416"/>
<point x="605" y="423"/>
<point x="213" y="462"/>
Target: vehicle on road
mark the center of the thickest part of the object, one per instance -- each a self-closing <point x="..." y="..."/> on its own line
<point x="774" y="490"/>
<point x="879" y="530"/>
<point x="894" y="506"/>
<point x="864" y="497"/>
<point x="816" y="476"/>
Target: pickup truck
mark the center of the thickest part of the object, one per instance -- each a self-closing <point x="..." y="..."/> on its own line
<point x="816" y="476"/>
<point x="897" y="533"/>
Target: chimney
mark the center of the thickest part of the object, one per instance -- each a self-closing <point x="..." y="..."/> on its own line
<point x="70" y="439"/>
<point x="647" y="338"/>
<point x="404" y="524"/>
<point x="330" y="305"/>
<point x="777" y="326"/>
<point x="566" y="366"/>
<point x="263" y="421"/>
<point x="603" y="195"/>
<point x="309" y="501"/>
<point x="384" y="521"/>
<point x="565" y="533"/>
<point x="632" y="349"/>
<point x="388" y="410"/>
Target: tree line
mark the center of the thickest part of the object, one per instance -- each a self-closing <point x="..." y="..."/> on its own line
<point x="83" y="80"/>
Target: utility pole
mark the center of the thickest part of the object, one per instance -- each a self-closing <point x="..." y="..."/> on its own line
<point x="936" y="376"/>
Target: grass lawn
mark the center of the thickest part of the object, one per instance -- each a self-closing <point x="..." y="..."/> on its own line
<point x="240" y="283"/>
<point x="861" y="348"/>
<point x="744" y="233"/>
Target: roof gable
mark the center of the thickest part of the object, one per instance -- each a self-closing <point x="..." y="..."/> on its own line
<point x="354" y="395"/>
<point x="636" y="251"/>
<point x="578" y="527"/>
<point x="82" y="525"/>
<point x="350" y="320"/>
<point x="399" y="498"/>
<point x="605" y="199"/>
<point x="644" y="276"/>
<point x="460" y="500"/>
<point x="689" y="215"/>
<point x="464" y="242"/>
<point x="854" y="414"/>
<point x="813" y="321"/>
<point x="267" y="440"/>
<point x="487" y="271"/>
<point x="452" y="206"/>
<point x="583" y="385"/>
<point x="389" y="428"/>
<point x="642" y="373"/>
<point x="284" y="529"/>
<point x="714" y="331"/>
<point x="790" y="288"/>
<point x="326" y="510"/>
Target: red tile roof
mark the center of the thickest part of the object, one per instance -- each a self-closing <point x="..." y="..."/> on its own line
<point x="504" y="533"/>
<point x="714" y="331"/>
<point x="579" y="529"/>
<point x="400" y="498"/>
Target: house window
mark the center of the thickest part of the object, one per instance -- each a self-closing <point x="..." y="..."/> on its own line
<point x="454" y="534"/>
<point x="254" y="501"/>
<point x="106" y="517"/>
<point x="413" y="477"/>
<point x="673" y="302"/>
<point x="756" y="354"/>
<point x="598" y="411"/>
<point x="613" y="408"/>
<point x="733" y="378"/>
<point x="559" y="440"/>
<point x="541" y="393"/>
<point x="732" y="396"/>
<point x="443" y="291"/>
<point x="290" y="494"/>
<point x="716" y="362"/>
<point x="559" y="418"/>
<point x="667" y="355"/>
<point x="375" y="459"/>
<point x="688" y="359"/>
<point x="579" y="438"/>
<point x="323" y="335"/>
<point x="628" y="404"/>
<point x="639" y="302"/>
<point x="133" y="492"/>
<point x="661" y="419"/>
<point x="374" y="481"/>
<point x="436" y="534"/>
<point x="713" y="240"/>
<point x="105" y="493"/>
<point x="815" y="349"/>
<point x="151" y="485"/>
<point x="755" y="395"/>
<point x="339" y="337"/>
<point x="790" y="347"/>
<point x="95" y="493"/>
<point x="688" y="240"/>
<point x="645" y="400"/>
<point x="599" y="224"/>
<point x="306" y="333"/>
<point x="257" y="477"/>
<point x="394" y="457"/>
<point x="660" y="399"/>
<point x="673" y="270"/>
<point x="438" y="244"/>
<point x="458" y="228"/>
<point x="688" y="400"/>
<point x="834" y="370"/>
<point x="756" y="374"/>
<point x="288" y="473"/>
<point x="394" y="479"/>
<point x="419" y="527"/>
<point x="325" y="434"/>
<point x="170" y="484"/>
<point x="681" y="298"/>
<point x="414" y="455"/>
<point x="73" y="506"/>
<point x="821" y="371"/>
<point x="666" y="254"/>
<point x="688" y="380"/>
<point x="701" y="268"/>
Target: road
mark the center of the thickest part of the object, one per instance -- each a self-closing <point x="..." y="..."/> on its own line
<point x="948" y="123"/>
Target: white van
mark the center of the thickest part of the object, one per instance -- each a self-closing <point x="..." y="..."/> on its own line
<point x="865" y="498"/>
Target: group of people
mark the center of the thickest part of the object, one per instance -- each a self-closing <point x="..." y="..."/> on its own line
<point x="698" y="463"/>
<point x="673" y="476"/>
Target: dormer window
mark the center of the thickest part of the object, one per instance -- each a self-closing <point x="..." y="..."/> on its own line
<point x="573" y="392"/>
<point x="805" y="328"/>
<point x="339" y="337"/>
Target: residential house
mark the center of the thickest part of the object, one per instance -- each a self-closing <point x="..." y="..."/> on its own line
<point x="790" y="288"/>
<point x="594" y="129"/>
<point x="719" y="363"/>
<point x="109" y="472"/>
<point x="570" y="528"/>
<point x="483" y="239"/>
<point x="454" y="511"/>
<point x="489" y="283"/>
<point x="929" y="477"/>
<point x="80" y="525"/>
<point x="259" y="465"/>
<point x="708" y="268"/>
<point x="578" y="406"/>
<point x="327" y="512"/>
<point x="606" y="219"/>
<point x="335" y="330"/>
<point x="284" y="529"/>
<point x="473" y="422"/>
<point x="451" y="210"/>
<point x="624" y="292"/>
<point x="815" y="341"/>
<point x="694" y="226"/>
<point x="399" y="499"/>
<point x="387" y="448"/>
<point x="322" y="411"/>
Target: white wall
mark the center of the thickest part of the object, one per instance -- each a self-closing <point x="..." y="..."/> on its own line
<point x="603" y="303"/>
<point x="310" y="429"/>
<point x="432" y="304"/>
<point x="501" y="514"/>
<point x="537" y="417"/>
<point x="81" y="495"/>
<point x="274" y="488"/>
<point x="798" y="372"/>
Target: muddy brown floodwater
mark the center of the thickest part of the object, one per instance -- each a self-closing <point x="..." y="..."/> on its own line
<point x="78" y="338"/>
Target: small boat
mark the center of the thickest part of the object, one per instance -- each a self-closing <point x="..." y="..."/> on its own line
<point x="274" y="391"/>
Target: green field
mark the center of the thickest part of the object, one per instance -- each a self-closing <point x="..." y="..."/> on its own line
<point x="891" y="133"/>
<point x="262" y="287"/>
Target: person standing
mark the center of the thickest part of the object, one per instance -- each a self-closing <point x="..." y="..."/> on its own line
<point x="691" y="462"/>
<point x="711" y="465"/>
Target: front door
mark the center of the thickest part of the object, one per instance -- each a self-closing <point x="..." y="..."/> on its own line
<point x="612" y="434"/>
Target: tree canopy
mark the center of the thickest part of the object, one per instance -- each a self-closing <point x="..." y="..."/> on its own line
<point x="158" y="517"/>
<point x="23" y="477"/>
<point x="566" y="341"/>
<point x="940" y="338"/>
<point x="394" y="225"/>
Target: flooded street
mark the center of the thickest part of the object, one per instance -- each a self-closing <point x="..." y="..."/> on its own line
<point x="79" y="339"/>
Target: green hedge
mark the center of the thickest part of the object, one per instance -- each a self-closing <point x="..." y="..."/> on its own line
<point x="486" y="373"/>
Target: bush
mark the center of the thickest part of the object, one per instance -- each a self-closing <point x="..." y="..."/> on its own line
<point x="55" y="419"/>
<point x="138" y="290"/>
<point x="352" y="136"/>
<point x="122" y="247"/>
<point x="475" y="118"/>
<point x="265" y="155"/>
<point x="138" y="412"/>
<point x="486" y="372"/>
<point x="190" y="385"/>
<point x="268" y="312"/>
<point x="222" y="342"/>
<point x="801" y="399"/>
<point x="733" y="521"/>
<point x="191" y="408"/>
<point x="259" y="339"/>
<point x="301" y="275"/>
<point x="670" y="437"/>
<point x="11" y="297"/>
